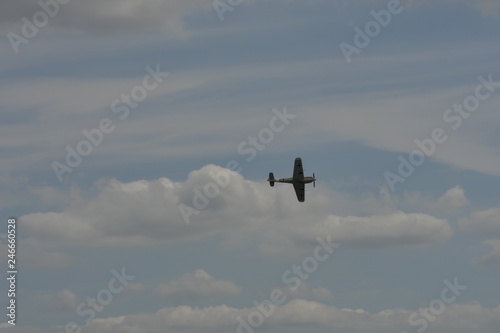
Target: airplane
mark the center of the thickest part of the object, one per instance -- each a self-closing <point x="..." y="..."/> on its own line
<point x="298" y="180"/>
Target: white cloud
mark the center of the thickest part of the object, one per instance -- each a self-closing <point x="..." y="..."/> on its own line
<point x="397" y="228"/>
<point x="452" y="203"/>
<point x="196" y="285"/>
<point x="453" y="198"/>
<point x="493" y="257"/>
<point x="34" y="256"/>
<point x="298" y="312"/>
<point x="147" y="212"/>
<point x="486" y="222"/>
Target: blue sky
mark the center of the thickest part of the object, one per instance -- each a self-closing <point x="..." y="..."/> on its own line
<point x="137" y="137"/>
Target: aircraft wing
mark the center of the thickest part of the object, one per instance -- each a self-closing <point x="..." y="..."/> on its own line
<point x="298" y="172"/>
<point x="300" y="191"/>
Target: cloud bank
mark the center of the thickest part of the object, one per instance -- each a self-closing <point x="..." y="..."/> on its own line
<point x="144" y="213"/>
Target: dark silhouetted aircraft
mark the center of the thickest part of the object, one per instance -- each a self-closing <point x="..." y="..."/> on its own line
<point x="298" y="180"/>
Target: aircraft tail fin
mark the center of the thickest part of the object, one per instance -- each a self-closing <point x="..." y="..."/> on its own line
<point x="271" y="179"/>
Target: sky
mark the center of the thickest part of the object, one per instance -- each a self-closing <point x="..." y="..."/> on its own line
<point x="136" y="138"/>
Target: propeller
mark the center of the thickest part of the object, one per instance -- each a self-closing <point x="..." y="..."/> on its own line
<point x="314" y="182"/>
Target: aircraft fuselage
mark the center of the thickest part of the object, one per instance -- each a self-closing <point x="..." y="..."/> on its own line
<point x="305" y="180"/>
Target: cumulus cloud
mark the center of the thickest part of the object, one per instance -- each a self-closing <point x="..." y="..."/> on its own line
<point x="453" y="198"/>
<point x="35" y="256"/>
<point x="484" y="222"/>
<point x="157" y="211"/>
<point x="493" y="257"/>
<point x="196" y="285"/>
<point x="309" y="314"/>
<point x="147" y="212"/>
<point x="139" y="212"/>
<point x="397" y="228"/>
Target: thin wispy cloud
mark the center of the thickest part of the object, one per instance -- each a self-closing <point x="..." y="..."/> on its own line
<point x="136" y="139"/>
